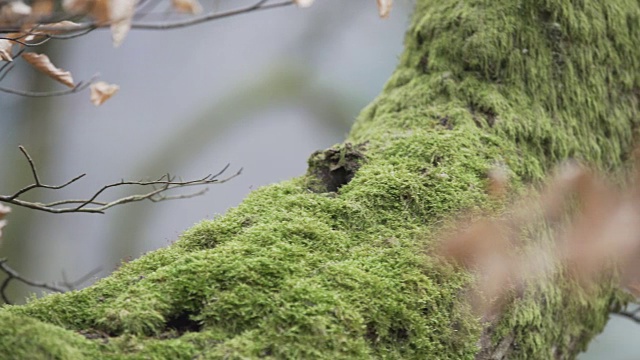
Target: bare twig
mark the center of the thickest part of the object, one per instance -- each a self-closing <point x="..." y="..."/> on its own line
<point x="158" y="191"/>
<point x="8" y="66"/>
<point x="633" y="315"/>
<point x="72" y="285"/>
<point x="260" y="5"/>
<point x="79" y="87"/>
<point x="51" y="28"/>
<point x="27" y="44"/>
<point x="63" y="287"/>
<point x="211" y="16"/>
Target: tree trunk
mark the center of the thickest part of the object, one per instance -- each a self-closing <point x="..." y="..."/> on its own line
<point x="335" y="264"/>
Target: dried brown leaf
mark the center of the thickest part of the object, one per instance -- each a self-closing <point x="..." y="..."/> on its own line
<point x="121" y="15"/>
<point x="42" y="63"/>
<point x="303" y="3"/>
<point x="384" y="8"/>
<point x="4" y="210"/>
<point x="102" y="91"/>
<point x="117" y="13"/>
<point x="5" y="50"/>
<point x="14" y="13"/>
<point x="100" y="11"/>
<point x="498" y="181"/>
<point x="187" y="6"/>
<point x="471" y="246"/>
<point x="634" y="289"/>
<point x="60" y="27"/>
<point x="42" y="8"/>
<point x="593" y="226"/>
<point x="37" y="33"/>
<point x="76" y="7"/>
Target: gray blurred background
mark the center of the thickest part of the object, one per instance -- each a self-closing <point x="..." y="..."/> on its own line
<point x="260" y="91"/>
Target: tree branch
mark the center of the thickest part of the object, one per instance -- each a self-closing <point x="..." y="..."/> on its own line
<point x="14" y="275"/>
<point x="211" y="16"/>
<point x="79" y="87"/>
<point x="51" y="27"/>
<point x="633" y="315"/>
<point x="159" y="188"/>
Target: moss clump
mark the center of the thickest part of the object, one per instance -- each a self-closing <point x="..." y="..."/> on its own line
<point x="22" y="337"/>
<point x="302" y="274"/>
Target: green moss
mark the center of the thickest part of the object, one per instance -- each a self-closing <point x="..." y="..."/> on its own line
<point x="22" y="337"/>
<point x="343" y="272"/>
<point x="537" y="82"/>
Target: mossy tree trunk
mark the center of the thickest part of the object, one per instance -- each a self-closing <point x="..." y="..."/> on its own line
<point x="335" y="264"/>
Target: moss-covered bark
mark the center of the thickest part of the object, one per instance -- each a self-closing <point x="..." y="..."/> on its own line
<point x="334" y="264"/>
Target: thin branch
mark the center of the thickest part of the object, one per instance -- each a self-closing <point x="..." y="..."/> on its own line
<point x="257" y="6"/>
<point x="79" y="87"/>
<point x="52" y="25"/>
<point x="14" y="275"/>
<point x="32" y="165"/>
<point x="72" y="35"/>
<point x="72" y="285"/>
<point x="633" y="315"/>
<point x="92" y="204"/>
<point x="27" y="44"/>
<point x="8" y="66"/>
<point x="260" y="5"/>
<point x="36" y="178"/>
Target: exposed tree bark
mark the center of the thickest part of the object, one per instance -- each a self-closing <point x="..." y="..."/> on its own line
<point x="336" y="264"/>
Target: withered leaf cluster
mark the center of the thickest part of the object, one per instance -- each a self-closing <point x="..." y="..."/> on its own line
<point x="35" y="27"/>
<point x="580" y="225"/>
<point x="25" y="25"/>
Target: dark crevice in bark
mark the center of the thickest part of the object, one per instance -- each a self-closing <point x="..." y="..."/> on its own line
<point x="183" y="323"/>
<point x="335" y="167"/>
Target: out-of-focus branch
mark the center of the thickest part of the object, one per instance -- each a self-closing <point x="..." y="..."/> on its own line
<point x="260" y="5"/>
<point x="79" y="87"/>
<point x="160" y="25"/>
<point x="93" y="204"/>
<point x="23" y="31"/>
<point x="13" y="275"/>
<point x="633" y="315"/>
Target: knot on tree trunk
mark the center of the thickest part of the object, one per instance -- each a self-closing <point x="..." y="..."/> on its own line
<point x="333" y="168"/>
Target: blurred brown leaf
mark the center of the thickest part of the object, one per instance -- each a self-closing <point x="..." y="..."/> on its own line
<point x="121" y="15"/>
<point x="117" y="13"/>
<point x="76" y="7"/>
<point x="60" y="27"/>
<point x="5" y="50"/>
<point x="187" y="6"/>
<point x="498" y="181"/>
<point x="14" y="12"/>
<point x="37" y="33"/>
<point x="591" y="224"/>
<point x="384" y="8"/>
<point x="42" y="8"/>
<point x="303" y="3"/>
<point x="102" y="91"/>
<point x="42" y="63"/>
<point x="4" y="210"/>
